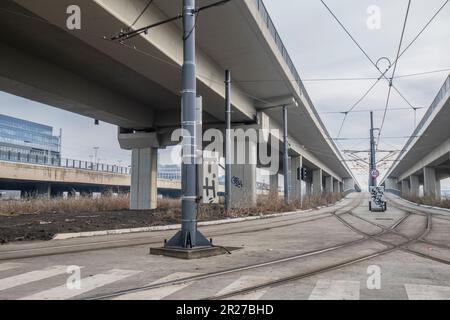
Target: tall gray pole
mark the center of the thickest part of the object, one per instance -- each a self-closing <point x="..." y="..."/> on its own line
<point x="372" y="180"/>
<point x="285" y="155"/>
<point x="228" y="159"/>
<point x="189" y="237"/>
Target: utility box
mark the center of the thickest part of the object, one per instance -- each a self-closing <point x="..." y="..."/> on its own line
<point x="377" y="201"/>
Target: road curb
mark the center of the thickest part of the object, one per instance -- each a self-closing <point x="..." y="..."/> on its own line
<point x="65" y="236"/>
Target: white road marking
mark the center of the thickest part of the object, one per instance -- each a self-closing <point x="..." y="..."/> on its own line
<point x="426" y="292"/>
<point x="9" y="266"/>
<point x="32" y="276"/>
<point x="244" y="282"/>
<point x="335" y="290"/>
<point x="159" y="293"/>
<point x="87" y="284"/>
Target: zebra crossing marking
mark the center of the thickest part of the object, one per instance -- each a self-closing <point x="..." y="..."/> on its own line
<point x="87" y="284"/>
<point x="160" y="293"/>
<point x="427" y="292"/>
<point x="31" y="276"/>
<point x="335" y="290"/>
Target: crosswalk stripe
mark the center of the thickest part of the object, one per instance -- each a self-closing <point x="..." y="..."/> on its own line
<point x="32" y="276"/>
<point x="9" y="266"/>
<point x="159" y="293"/>
<point x="87" y="284"/>
<point x="244" y="282"/>
<point x="335" y="290"/>
<point x="427" y="292"/>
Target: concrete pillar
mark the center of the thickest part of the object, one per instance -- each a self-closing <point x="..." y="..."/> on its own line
<point x="308" y="186"/>
<point x="296" y="179"/>
<point x="243" y="175"/>
<point x="391" y="184"/>
<point x="414" y="185"/>
<point x="274" y="185"/>
<point x="329" y="184"/>
<point x="349" y="185"/>
<point x="44" y="190"/>
<point x="405" y="187"/>
<point x="431" y="184"/>
<point x="336" y="186"/>
<point x="317" y="182"/>
<point x="144" y="175"/>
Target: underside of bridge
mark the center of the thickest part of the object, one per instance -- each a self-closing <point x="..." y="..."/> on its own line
<point x="136" y="85"/>
<point x="425" y="160"/>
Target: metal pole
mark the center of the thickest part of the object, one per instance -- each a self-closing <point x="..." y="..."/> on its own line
<point x="228" y="140"/>
<point x="286" y="155"/>
<point x="189" y="237"/>
<point x="372" y="180"/>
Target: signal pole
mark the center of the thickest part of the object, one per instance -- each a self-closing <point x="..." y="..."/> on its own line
<point x="228" y="153"/>
<point x="372" y="179"/>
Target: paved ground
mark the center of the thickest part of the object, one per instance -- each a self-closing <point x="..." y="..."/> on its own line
<point x="342" y="252"/>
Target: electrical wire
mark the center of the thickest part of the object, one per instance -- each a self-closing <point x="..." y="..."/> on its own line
<point x="393" y="72"/>
<point x="141" y="14"/>
<point x="368" y="57"/>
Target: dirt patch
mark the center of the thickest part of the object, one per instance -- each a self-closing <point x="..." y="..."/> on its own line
<point x="41" y="219"/>
<point x="44" y="226"/>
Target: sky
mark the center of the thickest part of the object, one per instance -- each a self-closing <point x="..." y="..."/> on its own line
<point x="320" y="49"/>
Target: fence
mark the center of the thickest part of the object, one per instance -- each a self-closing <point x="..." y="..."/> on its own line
<point x="7" y="155"/>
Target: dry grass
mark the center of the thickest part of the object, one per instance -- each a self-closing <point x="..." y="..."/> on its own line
<point x="35" y="205"/>
<point x="265" y="205"/>
<point x="428" y="200"/>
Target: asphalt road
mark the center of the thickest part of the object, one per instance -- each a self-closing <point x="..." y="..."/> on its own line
<point x="340" y="252"/>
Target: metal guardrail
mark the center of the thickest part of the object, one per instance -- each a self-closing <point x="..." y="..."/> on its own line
<point x="62" y="162"/>
<point x="271" y="27"/>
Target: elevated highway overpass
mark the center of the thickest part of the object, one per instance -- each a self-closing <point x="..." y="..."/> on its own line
<point x="136" y="85"/>
<point x="48" y="180"/>
<point x="425" y="159"/>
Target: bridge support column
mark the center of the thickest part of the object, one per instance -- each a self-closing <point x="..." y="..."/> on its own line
<point x="44" y="190"/>
<point x="296" y="179"/>
<point x="336" y="186"/>
<point x="329" y="184"/>
<point x="405" y="187"/>
<point x="431" y="184"/>
<point x="349" y="185"/>
<point x="414" y="185"/>
<point x="308" y="186"/>
<point x="243" y="175"/>
<point x="274" y="185"/>
<point x="317" y="182"/>
<point x="144" y="174"/>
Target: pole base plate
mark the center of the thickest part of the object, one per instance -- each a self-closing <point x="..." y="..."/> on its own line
<point x="190" y="254"/>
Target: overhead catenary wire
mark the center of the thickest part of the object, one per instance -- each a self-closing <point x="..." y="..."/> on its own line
<point x="394" y="70"/>
<point x="401" y="54"/>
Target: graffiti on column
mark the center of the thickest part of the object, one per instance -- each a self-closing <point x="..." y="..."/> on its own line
<point x="237" y="182"/>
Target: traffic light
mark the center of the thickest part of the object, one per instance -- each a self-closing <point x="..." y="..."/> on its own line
<point x="301" y="174"/>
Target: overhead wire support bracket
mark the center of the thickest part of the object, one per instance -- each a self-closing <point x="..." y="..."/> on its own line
<point x="131" y="34"/>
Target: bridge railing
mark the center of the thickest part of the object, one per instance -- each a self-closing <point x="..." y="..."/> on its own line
<point x="441" y="95"/>
<point x="273" y="31"/>
<point x="7" y="155"/>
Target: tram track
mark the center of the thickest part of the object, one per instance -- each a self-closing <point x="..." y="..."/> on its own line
<point x="123" y="243"/>
<point x="258" y="265"/>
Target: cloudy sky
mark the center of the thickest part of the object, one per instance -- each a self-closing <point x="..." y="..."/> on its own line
<point x="321" y="50"/>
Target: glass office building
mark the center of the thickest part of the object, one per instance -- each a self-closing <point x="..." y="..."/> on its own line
<point x="27" y="141"/>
